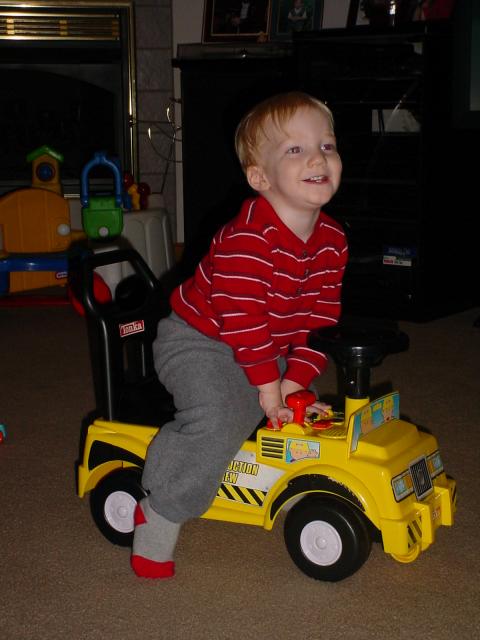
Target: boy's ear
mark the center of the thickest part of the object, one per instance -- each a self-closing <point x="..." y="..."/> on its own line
<point x="257" y="178"/>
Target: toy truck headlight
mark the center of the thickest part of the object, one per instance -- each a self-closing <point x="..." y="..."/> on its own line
<point x="435" y="464"/>
<point x="402" y="485"/>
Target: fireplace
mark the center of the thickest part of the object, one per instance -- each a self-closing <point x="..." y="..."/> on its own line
<point x="67" y="72"/>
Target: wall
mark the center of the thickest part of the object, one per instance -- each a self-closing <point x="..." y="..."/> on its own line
<point x="187" y="20"/>
<point x="153" y="20"/>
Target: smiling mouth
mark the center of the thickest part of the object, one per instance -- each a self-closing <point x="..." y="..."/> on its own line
<point x="316" y="179"/>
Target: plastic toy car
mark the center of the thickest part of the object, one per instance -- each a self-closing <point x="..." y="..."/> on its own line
<point x="348" y="479"/>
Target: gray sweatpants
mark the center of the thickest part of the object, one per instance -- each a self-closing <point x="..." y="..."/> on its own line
<point x="217" y="409"/>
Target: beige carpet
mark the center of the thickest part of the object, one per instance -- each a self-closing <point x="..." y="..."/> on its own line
<point x="59" y="578"/>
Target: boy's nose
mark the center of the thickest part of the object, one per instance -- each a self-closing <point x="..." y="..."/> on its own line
<point x="317" y="157"/>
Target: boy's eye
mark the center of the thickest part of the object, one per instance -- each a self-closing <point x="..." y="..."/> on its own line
<point x="328" y="146"/>
<point x="294" y="150"/>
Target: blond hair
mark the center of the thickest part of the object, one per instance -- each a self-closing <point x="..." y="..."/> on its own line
<point x="277" y="109"/>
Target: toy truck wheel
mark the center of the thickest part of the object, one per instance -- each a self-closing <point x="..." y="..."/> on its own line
<point x="409" y="557"/>
<point x="113" y="503"/>
<point x="326" y="539"/>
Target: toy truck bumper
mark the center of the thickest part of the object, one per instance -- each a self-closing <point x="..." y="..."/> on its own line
<point x="406" y="538"/>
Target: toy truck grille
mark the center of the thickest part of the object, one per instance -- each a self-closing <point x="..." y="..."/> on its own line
<point x="422" y="483"/>
<point x="273" y="447"/>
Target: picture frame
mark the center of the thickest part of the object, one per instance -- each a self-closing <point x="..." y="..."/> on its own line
<point x="381" y="13"/>
<point x="433" y="10"/>
<point x="291" y="16"/>
<point x="236" y="20"/>
<point x="362" y="13"/>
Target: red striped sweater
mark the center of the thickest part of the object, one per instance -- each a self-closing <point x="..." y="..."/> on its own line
<point x="261" y="290"/>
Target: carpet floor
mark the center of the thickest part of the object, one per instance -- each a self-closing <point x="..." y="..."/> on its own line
<point x="60" y="579"/>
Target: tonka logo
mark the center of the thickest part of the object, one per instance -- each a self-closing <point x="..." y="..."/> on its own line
<point x="137" y="326"/>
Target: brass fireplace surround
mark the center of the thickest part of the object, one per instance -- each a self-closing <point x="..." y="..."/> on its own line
<point x="88" y="20"/>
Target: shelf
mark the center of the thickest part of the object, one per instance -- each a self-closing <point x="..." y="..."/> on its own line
<point x="392" y="193"/>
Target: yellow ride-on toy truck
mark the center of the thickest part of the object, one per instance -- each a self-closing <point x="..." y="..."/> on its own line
<point x="347" y="479"/>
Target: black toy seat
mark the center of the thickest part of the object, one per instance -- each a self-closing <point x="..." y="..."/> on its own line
<point x="357" y="344"/>
<point x="121" y="334"/>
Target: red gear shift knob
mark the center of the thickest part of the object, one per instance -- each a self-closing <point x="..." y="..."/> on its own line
<point x="298" y="402"/>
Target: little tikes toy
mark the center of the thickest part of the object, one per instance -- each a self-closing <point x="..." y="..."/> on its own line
<point x="102" y="215"/>
<point x="46" y="168"/>
<point x="352" y="478"/>
<point x="13" y="262"/>
<point x="35" y="227"/>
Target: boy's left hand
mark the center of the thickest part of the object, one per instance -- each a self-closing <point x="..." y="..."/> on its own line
<point x="288" y="387"/>
<point x="321" y="408"/>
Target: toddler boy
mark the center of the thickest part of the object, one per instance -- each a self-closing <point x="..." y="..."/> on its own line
<point x="235" y="344"/>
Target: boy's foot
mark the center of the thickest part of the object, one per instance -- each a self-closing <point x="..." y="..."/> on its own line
<point x="154" y="542"/>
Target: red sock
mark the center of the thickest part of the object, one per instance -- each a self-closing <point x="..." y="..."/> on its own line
<point x="145" y="568"/>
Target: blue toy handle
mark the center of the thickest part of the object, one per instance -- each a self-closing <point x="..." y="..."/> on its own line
<point x="100" y="158"/>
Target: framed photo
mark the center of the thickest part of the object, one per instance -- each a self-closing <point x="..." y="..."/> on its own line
<point x="370" y="12"/>
<point x="433" y="9"/>
<point x="390" y="12"/>
<point x="355" y="13"/>
<point x="236" y="20"/>
<point x="293" y="16"/>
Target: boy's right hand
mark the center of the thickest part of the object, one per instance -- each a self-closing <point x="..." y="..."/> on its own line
<point x="270" y="399"/>
<point x="278" y="416"/>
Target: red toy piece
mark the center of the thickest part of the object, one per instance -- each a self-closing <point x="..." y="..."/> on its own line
<point x="101" y="292"/>
<point x="144" y="191"/>
<point x="127" y="180"/>
<point x="298" y="402"/>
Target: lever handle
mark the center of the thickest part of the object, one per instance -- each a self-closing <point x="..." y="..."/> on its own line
<point x="298" y="402"/>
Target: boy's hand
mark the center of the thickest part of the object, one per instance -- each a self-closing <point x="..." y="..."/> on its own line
<point x="270" y="399"/>
<point x="320" y="407"/>
<point x="272" y="396"/>
<point x="288" y="387"/>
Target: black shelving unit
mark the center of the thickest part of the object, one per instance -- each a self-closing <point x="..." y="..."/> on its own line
<point x="406" y="173"/>
<point x="408" y="188"/>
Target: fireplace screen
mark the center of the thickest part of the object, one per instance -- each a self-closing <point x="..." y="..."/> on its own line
<point x="67" y="82"/>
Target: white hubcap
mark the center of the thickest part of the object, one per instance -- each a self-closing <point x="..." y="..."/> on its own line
<point x="119" y="509"/>
<point x="321" y="543"/>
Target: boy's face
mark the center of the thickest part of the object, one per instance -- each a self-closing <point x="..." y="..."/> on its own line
<point x="298" y="168"/>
